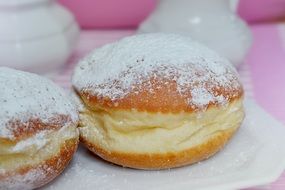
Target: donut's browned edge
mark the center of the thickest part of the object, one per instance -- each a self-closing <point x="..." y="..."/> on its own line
<point x="50" y="168"/>
<point x="167" y="160"/>
<point x="164" y="98"/>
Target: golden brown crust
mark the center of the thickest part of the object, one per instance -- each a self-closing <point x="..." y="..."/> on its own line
<point x="50" y="168"/>
<point x="167" y="160"/>
<point x="164" y="98"/>
<point x="21" y="131"/>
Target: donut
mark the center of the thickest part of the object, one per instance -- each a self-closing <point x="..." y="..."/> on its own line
<point x="38" y="130"/>
<point x="157" y="101"/>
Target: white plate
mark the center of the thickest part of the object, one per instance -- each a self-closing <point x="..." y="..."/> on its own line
<point x="255" y="156"/>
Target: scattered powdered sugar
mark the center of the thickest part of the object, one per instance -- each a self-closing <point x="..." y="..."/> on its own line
<point x="76" y="100"/>
<point x="25" y="181"/>
<point x="89" y="179"/>
<point x="201" y="96"/>
<point x="117" y="69"/>
<point x="27" y="96"/>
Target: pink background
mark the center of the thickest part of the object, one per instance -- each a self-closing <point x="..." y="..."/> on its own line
<point x="129" y="13"/>
<point x="262" y="10"/>
<point x="109" y="13"/>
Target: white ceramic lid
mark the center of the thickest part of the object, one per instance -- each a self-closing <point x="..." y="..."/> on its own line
<point x="32" y="23"/>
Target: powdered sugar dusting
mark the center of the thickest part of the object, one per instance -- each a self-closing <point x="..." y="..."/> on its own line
<point x="201" y="96"/>
<point x="116" y="69"/>
<point x="25" y="181"/>
<point x="76" y="100"/>
<point x="27" y="96"/>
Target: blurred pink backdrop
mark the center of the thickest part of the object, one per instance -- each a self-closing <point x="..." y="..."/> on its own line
<point x="129" y="13"/>
<point x="262" y="10"/>
<point x="109" y="13"/>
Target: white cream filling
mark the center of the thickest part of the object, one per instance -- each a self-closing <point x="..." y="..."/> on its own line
<point x="35" y="149"/>
<point x="142" y="132"/>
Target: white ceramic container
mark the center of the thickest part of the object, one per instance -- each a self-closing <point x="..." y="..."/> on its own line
<point x="212" y="22"/>
<point x="35" y="35"/>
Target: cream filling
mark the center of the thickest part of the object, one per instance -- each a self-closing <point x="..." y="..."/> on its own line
<point x="35" y="149"/>
<point x="142" y="132"/>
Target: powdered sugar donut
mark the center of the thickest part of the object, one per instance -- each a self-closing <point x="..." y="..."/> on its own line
<point x="157" y="101"/>
<point x="38" y="133"/>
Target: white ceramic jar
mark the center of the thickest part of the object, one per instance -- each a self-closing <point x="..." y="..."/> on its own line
<point x="212" y="22"/>
<point x="35" y="35"/>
